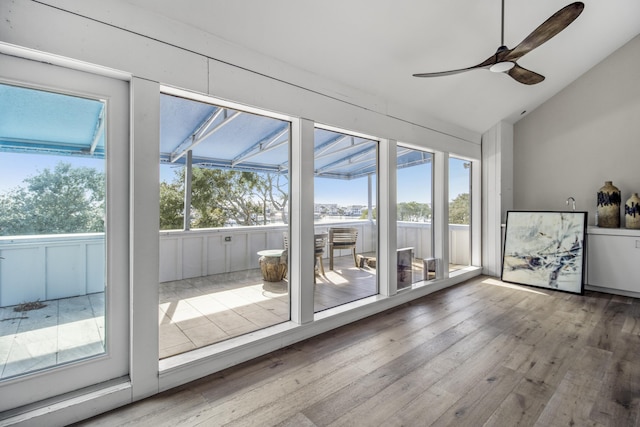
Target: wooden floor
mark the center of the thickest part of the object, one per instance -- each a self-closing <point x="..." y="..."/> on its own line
<point x="480" y="353"/>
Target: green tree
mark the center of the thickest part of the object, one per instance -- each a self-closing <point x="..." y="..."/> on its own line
<point x="219" y="197"/>
<point x="66" y="199"/>
<point x="460" y="210"/>
<point x="273" y="192"/>
<point x="365" y="213"/>
<point x="413" y="211"/>
<point x="171" y="206"/>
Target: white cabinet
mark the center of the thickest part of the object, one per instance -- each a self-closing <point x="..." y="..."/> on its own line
<point x="613" y="260"/>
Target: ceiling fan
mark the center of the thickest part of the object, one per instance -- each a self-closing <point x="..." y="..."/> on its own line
<point x="504" y="60"/>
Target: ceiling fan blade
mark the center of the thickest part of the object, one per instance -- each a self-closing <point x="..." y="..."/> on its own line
<point x="525" y="76"/>
<point x="549" y="28"/>
<point x="485" y="64"/>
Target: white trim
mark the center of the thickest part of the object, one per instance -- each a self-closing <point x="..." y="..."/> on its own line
<point x="221" y="102"/>
<point x="144" y="240"/>
<point x="387" y="218"/>
<point x="440" y="210"/>
<point x="77" y="407"/>
<point x="62" y="61"/>
<point x="347" y="132"/>
<point x="301" y="242"/>
<point x="476" y="213"/>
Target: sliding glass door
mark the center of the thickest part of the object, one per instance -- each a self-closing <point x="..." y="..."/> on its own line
<point x="63" y="230"/>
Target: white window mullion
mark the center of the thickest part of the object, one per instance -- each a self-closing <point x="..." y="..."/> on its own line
<point x="301" y="262"/>
<point x="441" y="212"/>
<point x="387" y="218"/>
<point x="145" y="264"/>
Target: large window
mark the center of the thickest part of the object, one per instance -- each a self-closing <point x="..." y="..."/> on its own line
<point x="459" y="213"/>
<point x="224" y="258"/>
<point x="345" y="200"/>
<point x="414" y="216"/>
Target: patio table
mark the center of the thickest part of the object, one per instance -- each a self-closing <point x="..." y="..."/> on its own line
<point x="273" y="264"/>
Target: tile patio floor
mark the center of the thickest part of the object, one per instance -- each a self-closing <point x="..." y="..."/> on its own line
<point x="205" y="310"/>
<point x="192" y="313"/>
<point x="64" y="330"/>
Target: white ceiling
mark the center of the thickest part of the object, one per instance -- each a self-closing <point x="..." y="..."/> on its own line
<point x="376" y="46"/>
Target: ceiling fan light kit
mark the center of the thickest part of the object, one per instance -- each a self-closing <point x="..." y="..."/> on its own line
<point x="501" y="67"/>
<point x="504" y="60"/>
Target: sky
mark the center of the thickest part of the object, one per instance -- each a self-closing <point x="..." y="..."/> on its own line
<point x="15" y="167"/>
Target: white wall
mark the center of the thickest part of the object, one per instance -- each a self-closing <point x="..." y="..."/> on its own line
<point x="586" y="134"/>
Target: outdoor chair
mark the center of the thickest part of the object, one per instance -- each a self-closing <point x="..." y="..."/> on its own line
<point x="342" y="238"/>
<point x="320" y="242"/>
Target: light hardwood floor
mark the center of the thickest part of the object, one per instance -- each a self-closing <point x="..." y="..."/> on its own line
<point x="480" y="353"/>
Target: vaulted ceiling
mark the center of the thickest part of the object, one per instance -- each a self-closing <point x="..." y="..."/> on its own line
<point x="376" y="45"/>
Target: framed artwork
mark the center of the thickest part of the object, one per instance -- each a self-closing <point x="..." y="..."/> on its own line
<point x="545" y="249"/>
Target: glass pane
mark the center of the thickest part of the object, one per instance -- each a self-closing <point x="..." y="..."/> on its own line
<point x="414" y="230"/>
<point x="346" y="231"/>
<point x="52" y="223"/>
<point x="459" y="213"/>
<point x="223" y="261"/>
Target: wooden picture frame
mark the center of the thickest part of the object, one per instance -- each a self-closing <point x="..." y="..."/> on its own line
<point x="545" y="249"/>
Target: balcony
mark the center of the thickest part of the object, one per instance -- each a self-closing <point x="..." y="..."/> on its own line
<point x="211" y="288"/>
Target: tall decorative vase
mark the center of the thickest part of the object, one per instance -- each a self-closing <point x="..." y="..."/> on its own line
<point x="632" y="212"/>
<point x="609" y="206"/>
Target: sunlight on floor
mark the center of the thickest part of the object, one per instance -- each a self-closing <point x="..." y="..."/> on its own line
<point x="496" y="282"/>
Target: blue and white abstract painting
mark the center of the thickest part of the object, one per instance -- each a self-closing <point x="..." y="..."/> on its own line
<point x="545" y="249"/>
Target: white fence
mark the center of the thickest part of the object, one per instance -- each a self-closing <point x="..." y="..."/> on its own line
<point x="60" y="266"/>
<point x="50" y="267"/>
<point x="198" y="253"/>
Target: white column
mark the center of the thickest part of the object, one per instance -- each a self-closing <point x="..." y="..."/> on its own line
<point x="497" y="191"/>
<point x="440" y="218"/>
<point x="144" y="243"/>
<point x="301" y="245"/>
<point x="387" y="218"/>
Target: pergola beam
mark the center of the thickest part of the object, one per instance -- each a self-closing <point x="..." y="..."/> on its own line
<point x="98" y="132"/>
<point x="327" y="145"/>
<point x="202" y="133"/>
<point x="348" y="159"/>
<point x="269" y="143"/>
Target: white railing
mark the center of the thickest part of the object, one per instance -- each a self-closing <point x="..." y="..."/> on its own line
<point x="417" y="235"/>
<point x="50" y="267"/>
<point x="60" y="266"/>
<point x="195" y="253"/>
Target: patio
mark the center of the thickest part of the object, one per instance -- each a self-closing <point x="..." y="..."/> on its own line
<point x="63" y="330"/>
<point x="205" y="310"/>
<point x="192" y="313"/>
